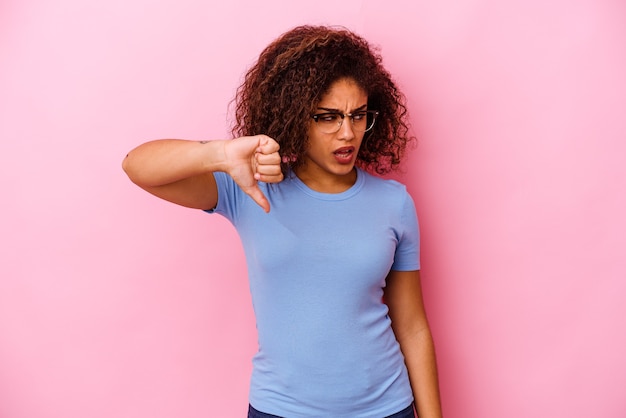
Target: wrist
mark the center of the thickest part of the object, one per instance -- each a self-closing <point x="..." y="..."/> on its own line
<point x="214" y="155"/>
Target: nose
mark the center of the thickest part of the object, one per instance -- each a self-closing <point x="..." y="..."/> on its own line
<point x="346" y="130"/>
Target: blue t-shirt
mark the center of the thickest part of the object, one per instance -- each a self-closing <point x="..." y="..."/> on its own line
<point x="317" y="265"/>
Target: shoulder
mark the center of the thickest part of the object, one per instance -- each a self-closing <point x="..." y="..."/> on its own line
<point x="388" y="187"/>
<point x="388" y="195"/>
<point x="381" y="181"/>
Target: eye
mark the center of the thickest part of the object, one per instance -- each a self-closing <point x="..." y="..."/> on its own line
<point x="359" y="116"/>
<point x="327" y="117"/>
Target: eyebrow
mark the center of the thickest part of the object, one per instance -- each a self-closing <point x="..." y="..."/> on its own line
<point x="363" y="107"/>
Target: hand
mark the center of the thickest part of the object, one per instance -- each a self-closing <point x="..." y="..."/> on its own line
<point x="251" y="159"/>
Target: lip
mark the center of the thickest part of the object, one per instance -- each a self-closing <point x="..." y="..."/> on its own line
<point x="344" y="155"/>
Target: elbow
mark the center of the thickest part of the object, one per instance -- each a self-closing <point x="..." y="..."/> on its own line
<point x="415" y="331"/>
<point x="129" y="168"/>
<point x="126" y="166"/>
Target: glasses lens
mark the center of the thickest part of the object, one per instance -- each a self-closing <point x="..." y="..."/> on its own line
<point x="364" y="121"/>
<point x="330" y="123"/>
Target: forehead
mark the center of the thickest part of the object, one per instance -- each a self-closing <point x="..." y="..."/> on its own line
<point x="343" y="93"/>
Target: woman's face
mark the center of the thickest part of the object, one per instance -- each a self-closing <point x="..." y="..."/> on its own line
<point x="328" y="164"/>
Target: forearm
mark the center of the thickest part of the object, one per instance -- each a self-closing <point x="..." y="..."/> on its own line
<point x="166" y="161"/>
<point x="419" y="355"/>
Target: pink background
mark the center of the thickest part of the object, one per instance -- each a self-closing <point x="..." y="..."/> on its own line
<point x="116" y="304"/>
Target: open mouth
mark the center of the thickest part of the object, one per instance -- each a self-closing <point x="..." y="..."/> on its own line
<point x="344" y="154"/>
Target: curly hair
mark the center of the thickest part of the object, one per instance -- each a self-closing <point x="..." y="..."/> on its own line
<point x="281" y="91"/>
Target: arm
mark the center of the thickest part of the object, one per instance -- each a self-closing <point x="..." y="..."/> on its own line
<point x="403" y="296"/>
<point x="181" y="171"/>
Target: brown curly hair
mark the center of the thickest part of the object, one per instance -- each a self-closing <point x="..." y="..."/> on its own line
<point x="281" y="91"/>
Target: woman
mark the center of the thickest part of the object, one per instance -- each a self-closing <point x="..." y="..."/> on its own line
<point x="332" y="250"/>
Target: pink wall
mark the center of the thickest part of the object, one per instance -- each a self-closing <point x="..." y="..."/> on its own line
<point x="115" y="304"/>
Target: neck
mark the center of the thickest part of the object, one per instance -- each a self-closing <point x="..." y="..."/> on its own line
<point x="328" y="183"/>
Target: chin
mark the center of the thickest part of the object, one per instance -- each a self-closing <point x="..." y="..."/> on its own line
<point x="344" y="170"/>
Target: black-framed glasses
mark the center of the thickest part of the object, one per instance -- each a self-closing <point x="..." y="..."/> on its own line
<point x="330" y="122"/>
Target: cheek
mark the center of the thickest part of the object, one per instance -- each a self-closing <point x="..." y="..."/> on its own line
<point x="360" y="138"/>
<point x="314" y="142"/>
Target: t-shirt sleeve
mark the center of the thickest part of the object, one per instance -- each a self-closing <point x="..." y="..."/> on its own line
<point x="407" y="256"/>
<point x="228" y="194"/>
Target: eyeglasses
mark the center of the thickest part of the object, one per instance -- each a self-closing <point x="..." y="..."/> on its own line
<point x="330" y="122"/>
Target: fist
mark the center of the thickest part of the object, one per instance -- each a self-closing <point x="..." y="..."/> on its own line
<point x="251" y="159"/>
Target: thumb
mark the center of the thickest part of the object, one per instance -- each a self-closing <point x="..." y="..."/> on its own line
<point x="257" y="195"/>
